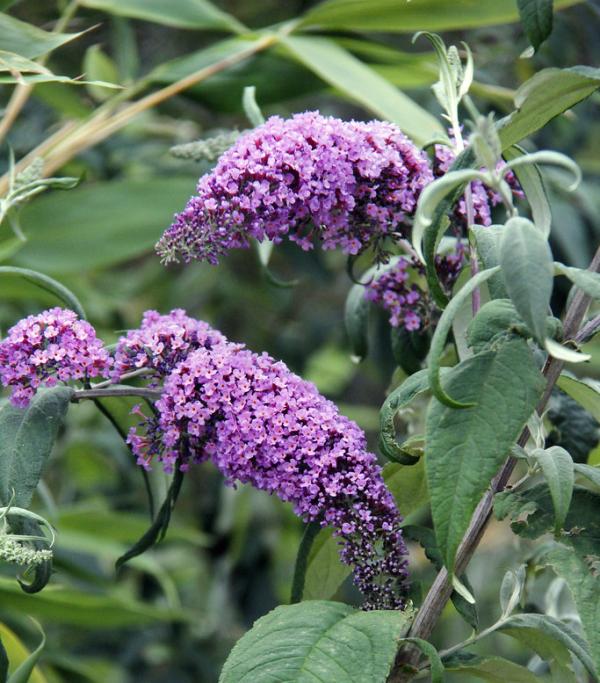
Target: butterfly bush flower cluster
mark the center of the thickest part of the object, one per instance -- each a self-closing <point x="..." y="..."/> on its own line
<point x="161" y="342"/>
<point x="398" y="291"/>
<point x="41" y="350"/>
<point x="345" y="184"/>
<point x="261" y="424"/>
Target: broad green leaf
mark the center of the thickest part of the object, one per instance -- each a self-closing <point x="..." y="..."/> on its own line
<point x="488" y="241"/>
<point x="557" y="467"/>
<point x="419" y="15"/>
<point x="317" y="641"/>
<point x="410" y="348"/>
<point x="531" y="181"/>
<point x="527" y="269"/>
<point x="101" y="224"/>
<point x="29" y="41"/>
<point x="49" y="285"/>
<point x="98" y="66"/>
<point x="357" y="81"/>
<point x="356" y="320"/>
<point x="536" y="17"/>
<point x="495" y="319"/>
<point x="585" y="391"/>
<point x="586" y="280"/>
<point x="82" y="608"/>
<point x="440" y="336"/>
<point x="494" y="670"/>
<point x="27" y="438"/>
<point x="464" y="449"/>
<point x="408" y="485"/>
<point x="546" y="95"/>
<point x="24" y="672"/>
<point x="191" y="14"/>
<point x="547" y="636"/>
<point x="17" y="654"/>
<point x="430" y="199"/>
<point x="325" y="572"/>
<point x="581" y="575"/>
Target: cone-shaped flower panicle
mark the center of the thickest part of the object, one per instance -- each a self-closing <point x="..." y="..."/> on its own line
<point x="344" y="184"/>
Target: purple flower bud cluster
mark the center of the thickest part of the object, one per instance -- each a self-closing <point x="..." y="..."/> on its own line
<point x="483" y="197"/>
<point x="261" y="424"/>
<point x="41" y="350"/>
<point x="345" y="184"/>
<point x="161" y="342"/>
<point x="398" y="290"/>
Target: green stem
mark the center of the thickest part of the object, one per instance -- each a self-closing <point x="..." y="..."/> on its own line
<point x="310" y="533"/>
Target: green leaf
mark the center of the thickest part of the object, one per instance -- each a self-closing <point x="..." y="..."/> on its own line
<point x="565" y="353"/>
<point x="356" y="80"/>
<point x="23" y="673"/>
<point x="408" y="485"/>
<point x="531" y="181"/>
<point x="586" y="280"/>
<point x="581" y="575"/>
<point x="438" y="343"/>
<point x="251" y="108"/>
<point x="49" y="285"/>
<point x="27" y="439"/>
<point x="536" y="17"/>
<point x="436" y="668"/>
<point x="488" y="241"/>
<point x="494" y="670"/>
<point x="465" y="449"/>
<point x="511" y="590"/>
<point x="546" y="158"/>
<point x="190" y="14"/>
<point x="325" y="572"/>
<point x="410" y="348"/>
<point x="590" y="472"/>
<point x="432" y="196"/>
<point x="557" y="467"/>
<point x="16" y="653"/>
<point x="408" y="17"/>
<point x="3" y="663"/>
<point x="29" y="41"/>
<point x="99" y="224"/>
<point x="81" y="608"/>
<point x="317" y="641"/>
<point x="433" y="234"/>
<point x="546" y="95"/>
<point x="495" y="319"/>
<point x="99" y="67"/>
<point x="545" y="635"/>
<point x="527" y="269"/>
<point x="356" y="320"/>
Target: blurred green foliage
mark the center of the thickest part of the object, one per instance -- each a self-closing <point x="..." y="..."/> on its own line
<point x="174" y="613"/>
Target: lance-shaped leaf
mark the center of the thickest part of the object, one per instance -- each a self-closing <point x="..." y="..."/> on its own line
<point x="317" y="641"/>
<point x="356" y="320"/>
<point x="432" y="196"/>
<point x="29" y="41"/>
<point x="464" y="449"/>
<point x="557" y="467"/>
<point x="527" y="269"/>
<point x="488" y="241"/>
<point x="531" y="181"/>
<point x="536" y="17"/>
<point x="546" y="158"/>
<point x="26" y="440"/>
<point x="359" y="82"/>
<point x="546" y="95"/>
<point x="441" y="334"/>
<point x="492" y="670"/>
<point x="585" y="391"/>
<point x="586" y="280"/>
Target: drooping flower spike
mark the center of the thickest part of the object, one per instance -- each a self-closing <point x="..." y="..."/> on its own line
<point x="261" y="424"/>
<point x="343" y="184"/>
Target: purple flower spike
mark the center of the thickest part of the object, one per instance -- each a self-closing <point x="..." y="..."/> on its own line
<point x="52" y="346"/>
<point x="312" y="178"/>
<point x="161" y="342"/>
<point x="261" y="424"/>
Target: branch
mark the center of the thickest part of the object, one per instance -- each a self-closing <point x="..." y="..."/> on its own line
<point x="441" y="589"/>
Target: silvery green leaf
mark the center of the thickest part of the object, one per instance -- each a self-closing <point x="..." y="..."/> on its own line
<point x="550" y="158"/>
<point x="511" y="590"/>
